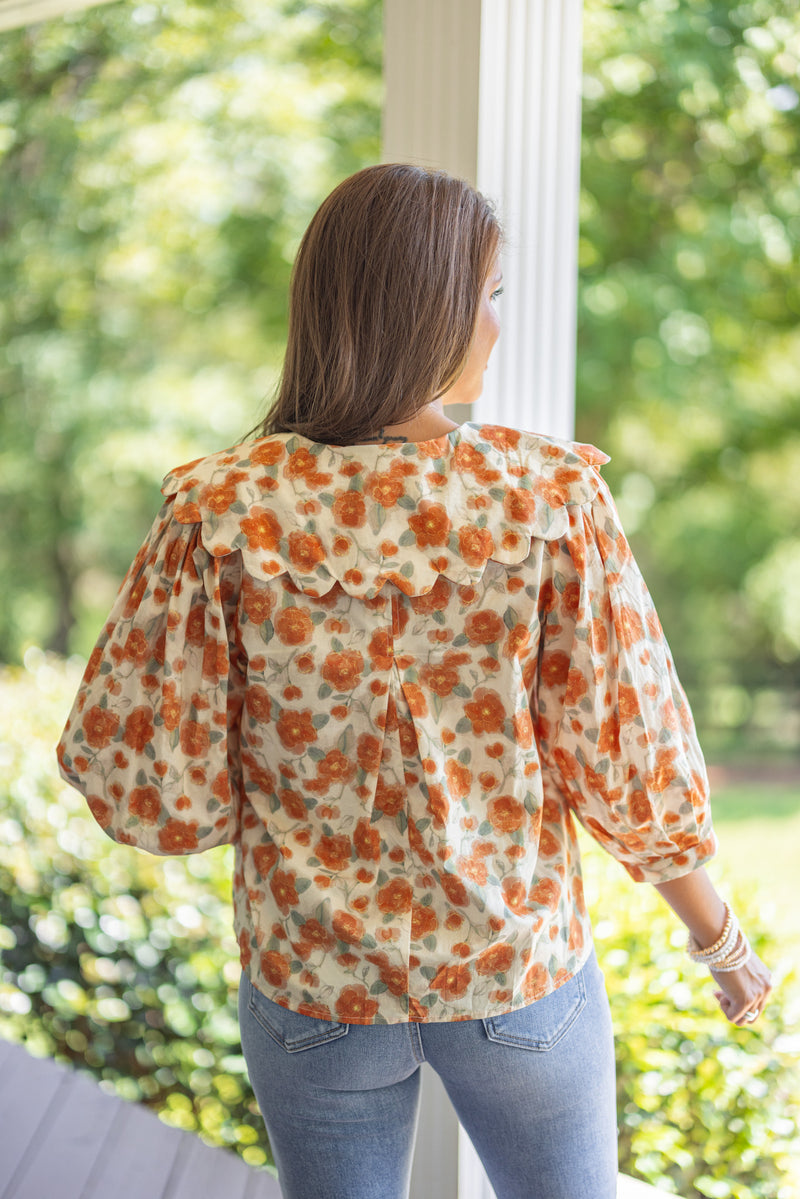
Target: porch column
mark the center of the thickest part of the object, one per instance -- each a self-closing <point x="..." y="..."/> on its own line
<point x="490" y="90"/>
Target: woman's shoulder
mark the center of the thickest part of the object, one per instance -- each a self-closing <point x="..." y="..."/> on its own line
<point x="530" y="446"/>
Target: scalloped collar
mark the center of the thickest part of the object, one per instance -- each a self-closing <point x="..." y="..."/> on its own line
<point x="398" y="512"/>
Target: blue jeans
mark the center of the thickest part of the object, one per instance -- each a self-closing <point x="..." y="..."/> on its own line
<point x="534" y="1090"/>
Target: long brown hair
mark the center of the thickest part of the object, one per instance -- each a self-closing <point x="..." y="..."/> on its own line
<point x="383" y="302"/>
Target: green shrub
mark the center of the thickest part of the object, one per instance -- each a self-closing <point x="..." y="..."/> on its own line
<point x="126" y="965"/>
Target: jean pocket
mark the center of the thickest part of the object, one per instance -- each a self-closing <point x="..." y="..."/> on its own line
<point x="542" y="1024"/>
<point x="293" y="1031"/>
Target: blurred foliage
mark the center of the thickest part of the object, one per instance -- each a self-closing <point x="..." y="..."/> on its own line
<point x="689" y="334"/>
<point x="158" y="165"/>
<point x="126" y="965"/>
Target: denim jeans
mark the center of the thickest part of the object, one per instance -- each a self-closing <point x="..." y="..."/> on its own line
<point x="534" y="1090"/>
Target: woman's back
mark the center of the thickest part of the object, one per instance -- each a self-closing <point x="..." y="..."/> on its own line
<point x="355" y="643"/>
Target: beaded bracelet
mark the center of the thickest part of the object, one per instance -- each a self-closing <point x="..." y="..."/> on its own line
<point x="740" y="957"/>
<point x="721" y="946"/>
<point x="729" y="952"/>
<point x="710" y="957"/>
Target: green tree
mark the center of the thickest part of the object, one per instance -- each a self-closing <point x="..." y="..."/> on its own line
<point x="689" y="341"/>
<point x="159" y="163"/>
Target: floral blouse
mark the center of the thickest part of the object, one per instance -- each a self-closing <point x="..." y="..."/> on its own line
<point x="392" y="675"/>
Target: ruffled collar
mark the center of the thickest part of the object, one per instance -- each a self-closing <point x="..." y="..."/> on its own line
<point x="398" y="512"/>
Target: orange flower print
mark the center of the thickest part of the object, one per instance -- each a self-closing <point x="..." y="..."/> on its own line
<point x="295" y="729"/>
<point x="266" y="453"/>
<point x="369" y="750"/>
<point x="434" y="600"/>
<point x="384" y="489"/>
<point x="145" y="802"/>
<point x="100" y="810"/>
<point x="501" y="438"/>
<point x="335" y="769"/>
<point x="515" y="895"/>
<point x="317" y="935"/>
<point x="395" y="897"/>
<point x="275" y="967"/>
<point x="494" y="960"/>
<point x="546" y="892"/>
<point x="100" y="727"/>
<point x="265" y="857"/>
<point x="348" y="928"/>
<point x="349" y="509"/>
<point x="439" y="678"/>
<point x="354" y="1005"/>
<point x="294" y="626"/>
<point x="535" y="983"/>
<point x="195" y="740"/>
<point x="628" y="702"/>
<point x="261" y="528"/>
<point x="486" y="713"/>
<point x="258" y="704"/>
<point x="334" y="852"/>
<point x="438" y="805"/>
<point x="292" y="804"/>
<point x="258" y="600"/>
<point x="459" y="778"/>
<point x="506" y="814"/>
<point x="424" y="921"/>
<point x="395" y="977"/>
<point x="343" y="670"/>
<point x="284" y="892"/>
<point x="178" y="837"/>
<point x="136" y="648"/>
<point x="475" y="545"/>
<point x="640" y="809"/>
<point x="523" y="729"/>
<point x="431" y="526"/>
<point x="484" y="628"/>
<point x="139" y="729"/>
<point x="380" y="650"/>
<point x="451" y="981"/>
<point x="195" y="631"/>
<point x="455" y="890"/>
<point x="608" y="737"/>
<point x="555" y="668"/>
<point x="628" y="625"/>
<point x="577" y="687"/>
<point x="658" y="779"/>
<point x="306" y="551"/>
<point x="415" y="698"/>
<point x="517" y="641"/>
<point x="472" y="868"/>
<point x="389" y="799"/>
<point x="519" y="505"/>
<point x="367" y="841"/>
<point x="219" y="496"/>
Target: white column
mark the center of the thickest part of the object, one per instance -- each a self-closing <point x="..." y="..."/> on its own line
<point x="490" y="90"/>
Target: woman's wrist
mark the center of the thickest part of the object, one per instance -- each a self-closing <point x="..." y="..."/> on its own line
<point x="696" y="903"/>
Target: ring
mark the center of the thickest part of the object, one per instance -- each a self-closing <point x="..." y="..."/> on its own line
<point x="750" y="1016"/>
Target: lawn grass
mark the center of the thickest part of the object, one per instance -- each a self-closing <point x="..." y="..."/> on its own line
<point x="758" y="826"/>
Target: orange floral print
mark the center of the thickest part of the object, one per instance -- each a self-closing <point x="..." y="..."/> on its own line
<point x="395" y="675"/>
<point x="487" y="712"/>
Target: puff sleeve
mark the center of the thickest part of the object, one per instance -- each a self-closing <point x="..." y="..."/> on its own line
<point x="614" y="727"/>
<point x="152" y="738"/>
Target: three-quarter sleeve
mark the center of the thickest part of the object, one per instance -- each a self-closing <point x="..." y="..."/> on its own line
<point x="152" y="738"/>
<point x="614" y="727"/>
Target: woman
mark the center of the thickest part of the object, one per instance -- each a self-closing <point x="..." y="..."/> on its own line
<point x="390" y="658"/>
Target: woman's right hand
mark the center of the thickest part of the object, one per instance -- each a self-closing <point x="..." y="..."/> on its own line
<point x="744" y="990"/>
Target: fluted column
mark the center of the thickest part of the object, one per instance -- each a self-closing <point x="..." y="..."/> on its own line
<point x="490" y="90"/>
